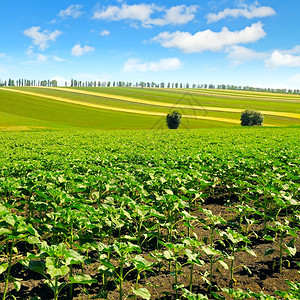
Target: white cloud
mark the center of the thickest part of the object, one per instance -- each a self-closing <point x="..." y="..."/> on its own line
<point x="60" y="80"/>
<point x="72" y="11"/>
<point x="42" y="58"/>
<point x="249" y="12"/>
<point x="143" y="13"/>
<point x="59" y="59"/>
<point x="42" y="39"/>
<point x="2" y="55"/>
<point x="209" y="40"/>
<point x="176" y="15"/>
<point x="164" y="64"/>
<point x="136" y="12"/>
<point x="284" y="58"/>
<point x="105" y="33"/>
<point x="29" y="51"/>
<point x="180" y="14"/>
<point x="77" y="50"/>
<point x="240" y="54"/>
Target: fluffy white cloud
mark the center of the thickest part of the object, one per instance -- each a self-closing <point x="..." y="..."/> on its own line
<point x="143" y="13"/>
<point x="2" y="55"/>
<point x="72" y="11"/>
<point x="249" y="12"/>
<point x="105" y="33"/>
<point x="136" y="12"/>
<point x="176" y="15"/>
<point x="209" y="40"/>
<point x="284" y="58"/>
<point x="78" y="50"/>
<point x="164" y="64"/>
<point x="42" y="38"/>
<point x="240" y="54"/>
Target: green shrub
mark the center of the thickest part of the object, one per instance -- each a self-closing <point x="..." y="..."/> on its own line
<point x="251" y="117"/>
<point x="173" y="120"/>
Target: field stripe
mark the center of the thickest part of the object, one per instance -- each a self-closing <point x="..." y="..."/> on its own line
<point x="164" y="104"/>
<point x="118" y="109"/>
<point x="262" y="97"/>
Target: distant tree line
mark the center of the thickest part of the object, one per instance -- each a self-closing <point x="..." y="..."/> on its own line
<point x="143" y="84"/>
<point x="27" y="82"/>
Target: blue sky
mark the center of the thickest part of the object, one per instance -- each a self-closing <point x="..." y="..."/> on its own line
<point x="255" y="43"/>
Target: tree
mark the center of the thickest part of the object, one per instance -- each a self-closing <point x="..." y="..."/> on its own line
<point x="173" y="120"/>
<point x="251" y="117"/>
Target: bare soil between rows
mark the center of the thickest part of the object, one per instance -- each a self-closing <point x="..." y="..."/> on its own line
<point x="265" y="275"/>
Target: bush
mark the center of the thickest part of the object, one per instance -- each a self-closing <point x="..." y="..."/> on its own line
<point x="251" y="117"/>
<point x="173" y="120"/>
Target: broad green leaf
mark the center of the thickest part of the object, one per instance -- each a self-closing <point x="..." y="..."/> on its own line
<point x="3" y="267"/>
<point x="269" y="238"/>
<point x="269" y="251"/>
<point x="210" y="251"/>
<point x="82" y="279"/>
<point x="142" y="292"/>
<point x="73" y="257"/>
<point x="33" y="240"/>
<point x="4" y="231"/>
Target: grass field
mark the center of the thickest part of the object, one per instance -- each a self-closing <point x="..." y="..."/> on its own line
<point x="25" y="108"/>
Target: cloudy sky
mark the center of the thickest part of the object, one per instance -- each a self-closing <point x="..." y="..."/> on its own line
<point x="242" y="42"/>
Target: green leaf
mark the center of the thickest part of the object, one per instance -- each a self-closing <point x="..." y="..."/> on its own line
<point x="223" y="264"/>
<point x="290" y="250"/>
<point x="142" y="292"/>
<point x="17" y="284"/>
<point x="250" y="251"/>
<point x="34" y="265"/>
<point x="73" y="257"/>
<point x="54" y="271"/>
<point x="4" y="231"/>
<point x="269" y="251"/>
<point x="210" y="251"/>
<point x="169" y="192"/>
<point x="33" y="240"/>
<point x="82" y="279"/>
<point x="247" y="269"/>
<point x="168" y="255"/>
<point x="269" y="238"/>
<point x="3" y="267"/>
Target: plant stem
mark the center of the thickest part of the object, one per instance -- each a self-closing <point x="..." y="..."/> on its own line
<point x="56" y="289"/>
<point x="8" y="270"/>
<point x="121" y="281"/>
<point x="191" y="277"/>
<point x="281" y="252"/>
<point x="70" y="296"/>
<point x="231" y="268"/>
<point x="176" y="281"/>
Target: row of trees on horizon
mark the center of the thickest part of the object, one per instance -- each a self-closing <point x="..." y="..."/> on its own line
<point x="141" y="84"/>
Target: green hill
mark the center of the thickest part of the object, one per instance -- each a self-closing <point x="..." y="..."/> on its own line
<point x="36" y="108"/>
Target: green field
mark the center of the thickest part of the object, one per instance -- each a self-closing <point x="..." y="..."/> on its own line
<point x="191" y="214"/>
<point x="32" y="108"/>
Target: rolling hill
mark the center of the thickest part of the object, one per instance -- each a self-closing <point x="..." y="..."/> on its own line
<point x="37" y="108"/>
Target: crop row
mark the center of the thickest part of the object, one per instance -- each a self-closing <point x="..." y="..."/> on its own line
<point x="113" y="210"/>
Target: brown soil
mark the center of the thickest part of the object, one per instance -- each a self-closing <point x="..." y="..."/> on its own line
<point x="264" y="275"/>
